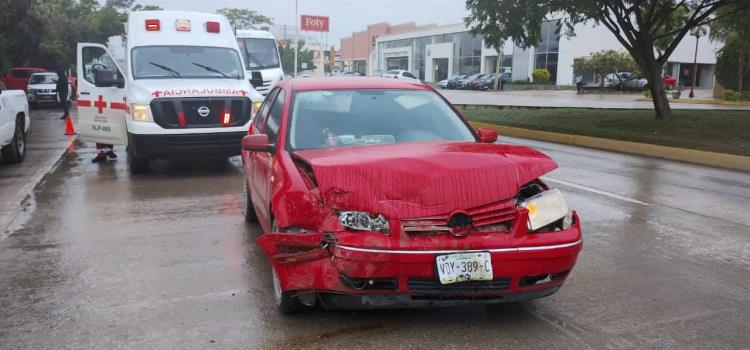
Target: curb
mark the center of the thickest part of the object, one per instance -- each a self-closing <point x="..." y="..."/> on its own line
<point x="27" y="191"/>
<point x="721" y="160"/>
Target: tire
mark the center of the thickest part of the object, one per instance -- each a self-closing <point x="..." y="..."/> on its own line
<point x="16" y="150"/>
<point x="250" y="215"/>
<point x="285" y="302"/>
<point x="136" y="165"/>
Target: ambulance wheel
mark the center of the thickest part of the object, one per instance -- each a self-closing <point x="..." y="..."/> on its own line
<point x="136" y="165"/>
<point x="250" y="215"/>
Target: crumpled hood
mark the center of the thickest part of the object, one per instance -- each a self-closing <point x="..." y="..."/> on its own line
<point x="413" y="180"/>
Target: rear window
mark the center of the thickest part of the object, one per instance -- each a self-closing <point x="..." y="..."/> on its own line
<point x="43" y="79"/>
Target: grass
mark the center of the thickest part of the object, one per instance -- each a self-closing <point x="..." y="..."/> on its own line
<point x="715" y="130"/>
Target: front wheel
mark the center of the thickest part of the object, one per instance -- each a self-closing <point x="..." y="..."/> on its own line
<point x="16" y="150"/>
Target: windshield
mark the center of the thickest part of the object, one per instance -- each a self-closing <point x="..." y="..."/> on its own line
<point x="259" y="53"/>
<point x="186" y="62"/>
<point x="43" y="79"/>
<point x="337" y="118"/>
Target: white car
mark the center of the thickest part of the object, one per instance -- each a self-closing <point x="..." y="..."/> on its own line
<point x="305" y="74"/>
<point x="443" y="84"/>
<point x="42" y="88"/>
<point x="14" y="124"/>
<point x="401" y="74"/>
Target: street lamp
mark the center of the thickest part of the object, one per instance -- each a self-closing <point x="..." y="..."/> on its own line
<point x="697" y="32"/>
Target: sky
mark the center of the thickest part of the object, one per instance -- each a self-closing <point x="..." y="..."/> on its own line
<point x="347" y="16"/>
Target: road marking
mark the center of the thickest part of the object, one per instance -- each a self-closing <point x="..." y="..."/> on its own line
<point x="594" y="190"/>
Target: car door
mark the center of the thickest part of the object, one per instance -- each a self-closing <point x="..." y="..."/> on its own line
<point x="256" y="178"/>
<point x="101" y="101"/>
<point x="264" y="161"/>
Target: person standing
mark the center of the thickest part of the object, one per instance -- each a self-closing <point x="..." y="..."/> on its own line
<point x="579" y="83"/>
<point x="62" y="92"/>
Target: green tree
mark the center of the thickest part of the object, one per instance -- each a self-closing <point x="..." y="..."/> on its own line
<point x="605" y="62"/>
<point x="244" y="19"/>
<point x="649" y="30"/>
<point x="305" y="56"/>
<point x="733" y="60"/>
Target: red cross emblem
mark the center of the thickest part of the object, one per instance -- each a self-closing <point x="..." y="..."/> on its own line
<point x="100" y="104"/>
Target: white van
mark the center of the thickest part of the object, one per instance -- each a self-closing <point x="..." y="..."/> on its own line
<point x="262" y="59"/>
<point x="182" y="91"/>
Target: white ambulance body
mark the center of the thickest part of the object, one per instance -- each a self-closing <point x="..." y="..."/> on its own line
<point x="262" y="59"/>
<point x="184" y="92"/>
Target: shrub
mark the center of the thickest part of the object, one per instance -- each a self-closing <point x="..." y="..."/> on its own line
<point x="647" y="93"/>
<point x="522" y="81"/>
<point x="541" y="76"/>
<point x="731" y="95"/>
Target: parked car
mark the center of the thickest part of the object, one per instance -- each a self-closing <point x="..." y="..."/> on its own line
<point x="463" y="84"/>
<point x="453" y="82"/>
<point x="14" y="125"/>
<point x="305" y="73"/>
<point x="351" y="74"/>
<point x="359" y="187"/>
<point x="18" y="78"/>
<point x="474" y="83"/>
<point x="401" y="74"/>
<point x="443" y="84"/>
<point x="625" y="80"/>
<point x="670" y="82"/>
<point x="42" y="89"/>
<point x="488" y="81"/>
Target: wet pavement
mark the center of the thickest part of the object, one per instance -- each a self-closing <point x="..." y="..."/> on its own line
<point x="569" y="98"/>
<point x="165" y="261"/>
<point x="44" y="145"/>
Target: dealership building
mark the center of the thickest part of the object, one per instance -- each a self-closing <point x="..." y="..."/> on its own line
<point x="435" y="52"/>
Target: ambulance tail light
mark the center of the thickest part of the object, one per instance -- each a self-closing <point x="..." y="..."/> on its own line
<point x="152" y="25"/>
<point x="213" y="27"/>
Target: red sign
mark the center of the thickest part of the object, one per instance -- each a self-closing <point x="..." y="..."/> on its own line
<point x="315" y="23"/>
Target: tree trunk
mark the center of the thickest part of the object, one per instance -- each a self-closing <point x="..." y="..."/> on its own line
<point x="658" y="94"/>
<point x="741" y="71"/>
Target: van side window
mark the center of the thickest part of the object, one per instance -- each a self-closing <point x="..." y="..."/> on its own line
<point x="274" y="118"/>
<point x="96" y="62"/>
<point x="260" y="117"/>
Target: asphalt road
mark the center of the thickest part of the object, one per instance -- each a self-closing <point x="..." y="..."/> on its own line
<point x="165" y="261"/>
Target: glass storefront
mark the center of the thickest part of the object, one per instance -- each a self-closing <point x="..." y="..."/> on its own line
<point x="548" y="48"/>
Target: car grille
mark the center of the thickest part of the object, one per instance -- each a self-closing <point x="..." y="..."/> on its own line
<point x="434" y="286"/>
<point x="494" y="216"/>
<point x="265" y="88"/>
<point x="167" y="111"/>
<point x="204" y="141"/>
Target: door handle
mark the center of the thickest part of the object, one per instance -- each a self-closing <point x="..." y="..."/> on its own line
<point x="85" y="93"/>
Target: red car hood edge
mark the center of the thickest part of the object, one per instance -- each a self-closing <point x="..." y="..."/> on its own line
<point x="422" y="179"/>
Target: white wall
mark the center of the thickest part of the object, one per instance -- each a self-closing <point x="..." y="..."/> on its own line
<point x="444" y="50"/>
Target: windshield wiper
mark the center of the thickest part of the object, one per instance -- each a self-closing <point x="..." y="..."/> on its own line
<point x="211" y="69"/>
<point x="170" y="70"/>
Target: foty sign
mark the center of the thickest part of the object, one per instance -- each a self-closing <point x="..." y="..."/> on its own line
<point x="315" y="23"/>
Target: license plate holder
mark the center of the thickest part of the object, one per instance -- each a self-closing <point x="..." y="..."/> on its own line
<point x="461" y="267"/>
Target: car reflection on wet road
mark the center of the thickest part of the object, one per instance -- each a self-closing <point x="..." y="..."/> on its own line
<point x="165" y="260"/>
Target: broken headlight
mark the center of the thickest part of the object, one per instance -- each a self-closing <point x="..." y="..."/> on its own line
<point x="545" y="208"/>
<point x="363" y="221"/>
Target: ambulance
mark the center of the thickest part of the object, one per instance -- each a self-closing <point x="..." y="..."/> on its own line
<point x="180" y="91"/>
<point x="262" y="59"/>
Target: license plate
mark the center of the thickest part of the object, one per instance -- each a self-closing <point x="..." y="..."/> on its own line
<point x="462" y="267"/>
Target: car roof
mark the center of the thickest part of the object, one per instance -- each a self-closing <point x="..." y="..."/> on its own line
<point x="351" y="83"/>
<point x="45" y="73"/>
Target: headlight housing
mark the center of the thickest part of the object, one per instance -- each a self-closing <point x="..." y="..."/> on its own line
<point x="545" y="208"/>
<point x="141" y="112"/>
<point x="363" y="221"/>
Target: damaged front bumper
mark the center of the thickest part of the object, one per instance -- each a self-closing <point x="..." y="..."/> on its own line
<point x="369" y="270"/>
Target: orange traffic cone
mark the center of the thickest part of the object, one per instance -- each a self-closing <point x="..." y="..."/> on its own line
<point x="69" y="129"/>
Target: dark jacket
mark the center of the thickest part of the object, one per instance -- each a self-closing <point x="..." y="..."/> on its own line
<point x="62" y="85"/>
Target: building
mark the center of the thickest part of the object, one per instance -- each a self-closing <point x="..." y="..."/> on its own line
<point x="357" y="51"/>
<point x="439" y="52"/>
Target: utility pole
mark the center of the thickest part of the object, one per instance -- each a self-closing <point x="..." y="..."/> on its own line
<point x="697" y="32"/>
<point x="296" y="36"/>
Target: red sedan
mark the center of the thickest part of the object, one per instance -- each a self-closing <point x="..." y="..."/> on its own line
<point x="377" y="193"/>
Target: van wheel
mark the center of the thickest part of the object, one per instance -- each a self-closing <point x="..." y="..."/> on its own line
<point x="250" y="215"/>
<point x="136" y="165"/>
<point x="16" y="150"/>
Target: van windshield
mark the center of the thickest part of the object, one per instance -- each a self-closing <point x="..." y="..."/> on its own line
<point x="186" y="62"/>
<point x="259" y="53"/>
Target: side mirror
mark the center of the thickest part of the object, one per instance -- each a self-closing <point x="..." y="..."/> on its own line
<point x="108" y="78"/>
<point x="256" y="143"/>
<point x="487" y="135"/>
